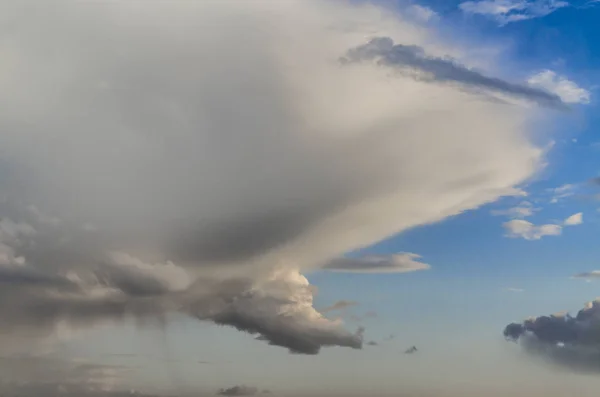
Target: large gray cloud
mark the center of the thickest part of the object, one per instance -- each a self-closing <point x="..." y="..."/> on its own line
<point x="572" y="341"/>
<point x="446" y="70"/>
<point x="168" y="175"/>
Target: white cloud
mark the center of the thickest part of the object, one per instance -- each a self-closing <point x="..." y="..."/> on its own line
<point x="523" y="210"/>
<point x="575" y="219"/>
<point x="566" y="89"/>
<point x="518" y="228"/>
<point x="513" y="289"/>
<point x="507" y="11"/>
<point x="421" y="13"/>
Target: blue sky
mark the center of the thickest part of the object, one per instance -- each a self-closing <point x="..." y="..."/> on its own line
<point x="227" y="197"/>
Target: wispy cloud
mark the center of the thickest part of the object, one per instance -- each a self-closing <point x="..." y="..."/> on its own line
<point x="523" y="210"/>
<point x="519" y="228"/>
<point x="398" y="263"/>
<point x="339" y="305"/>
<point x="562" y="192"/>
<point x="507" y="11"/>
<point x="513" y="289"/>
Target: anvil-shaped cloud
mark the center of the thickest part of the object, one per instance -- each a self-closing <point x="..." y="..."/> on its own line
<point x="199" y="156"/>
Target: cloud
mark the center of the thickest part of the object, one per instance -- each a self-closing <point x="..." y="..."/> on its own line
<point x="339" y="305"/>
<point x="566" y="89"/>
<point x="561" y="192"/>
<point x="518" y="228"/>
<point x="159" y="183"/>
<point x="588" y="275"/>
<point x="523" y="210"/>
<point x="445" y="70"/>
<point x="421" y="13"/>
<point x="372" y="343"/>
<point x="507" y="11"/>
<point x="279" y="309"/>
<point x="571" y="341"/>
<point x="513" y="289"/>
<point x="134" y="277"/>
<point x="575" y="219"/>
<point x="398" y="263"/>
<point x="238" y="391"/>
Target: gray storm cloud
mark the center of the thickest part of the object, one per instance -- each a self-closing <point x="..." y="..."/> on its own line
<point x="199" y="157"/>
<point x="572" y="341"/>
<point x="446" y="70"/>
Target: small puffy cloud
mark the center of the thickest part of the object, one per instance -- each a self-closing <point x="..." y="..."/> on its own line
<point x="575" y="219"/>
<point x="513" y="289"/>
<point x="421" y="13"/>
<point x="566" y="89"/>
<point x="339" y="305"/>
<point x="507" y="11"/>
<point x="518" y="228"/>
<point x="523" y="210"/>
<point x="572" y="341"/>
<point x="398" y="263"/>
<point x="238" y="391"/>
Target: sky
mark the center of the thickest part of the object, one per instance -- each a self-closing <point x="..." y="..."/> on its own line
<point x="299" y="198"/>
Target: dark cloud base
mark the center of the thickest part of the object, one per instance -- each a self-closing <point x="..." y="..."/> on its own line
<point x="570" y="341"/>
